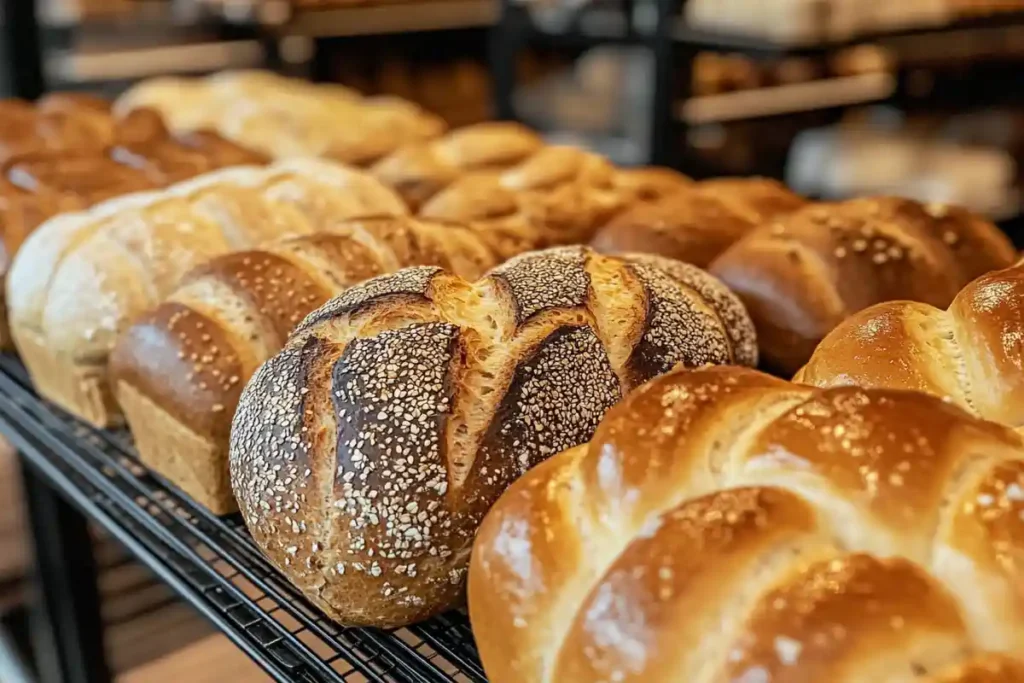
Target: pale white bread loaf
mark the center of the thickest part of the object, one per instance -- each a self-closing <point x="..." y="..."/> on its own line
<point x="971" y="354"/>
<point x="286" y="118"/>
<point x="80" y="280"/>
<point x="723" y="525"/>
<point x="177" y="372"/>
<point x="364" y="455"/>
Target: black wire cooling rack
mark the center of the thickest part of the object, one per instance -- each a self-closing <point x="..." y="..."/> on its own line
<point x="213" y="563"/>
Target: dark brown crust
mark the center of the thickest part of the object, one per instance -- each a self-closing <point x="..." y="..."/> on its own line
<point x="556" y="278"/>
<point x="409" y="285"/>
<point x="391" y="465"/>
<point x="675" y="331"/>
<point x="802" y="276"/>
<point x="440" y="394"/>
<point x="687" y="226"/>
<point x="277" y="415"/>
<point x="567" y="370"/>
<point x="185" y="363"/>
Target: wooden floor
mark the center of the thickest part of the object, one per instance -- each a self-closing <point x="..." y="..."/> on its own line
<point x="151" y="636"/>
<point x="213" y="659"/>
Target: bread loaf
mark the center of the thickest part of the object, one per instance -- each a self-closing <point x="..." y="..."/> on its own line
<point x="364" y="454"/>
<point x="60" y="175"/>
<point x="648" y="184"/>
<point x="82" y="278"/>
<point x="178" y="371"/>
<point x="802" y="276"/>
<point x="557" y="196"/>
<point x="418" y="172"/>
<point x="286" y="118"/>
<point x="971" y="354"/>
<point x="723" y="525"/>
<point x="697" y="223"/>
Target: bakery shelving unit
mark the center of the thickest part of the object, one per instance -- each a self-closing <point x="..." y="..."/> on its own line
<point x="298" y="35"/>
<point x="47" y="50"/>
<point x="74" y="472"/>
<point x="659" y="26"/>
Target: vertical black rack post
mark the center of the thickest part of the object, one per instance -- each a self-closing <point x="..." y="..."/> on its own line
<point x="22" y="45"/>
<point x="672" y="61"/>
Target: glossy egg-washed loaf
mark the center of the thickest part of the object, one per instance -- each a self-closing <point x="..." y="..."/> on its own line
<point x="364" y="455"/>
<point x="178" y="371"/>
<point x="971" y="354"/>
<point x="807" y="272"/>
<point x="726" y="526"/>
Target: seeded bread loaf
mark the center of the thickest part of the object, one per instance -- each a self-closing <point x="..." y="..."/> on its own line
<point x="178" y="371"/>
<point x="82" y="278"/>
<point x="723" y="525"/>
<point x="971" y="354"/>
<point x="364" y="455"/>
<point x="697" y="223"/>
<point x="803" y="275"/>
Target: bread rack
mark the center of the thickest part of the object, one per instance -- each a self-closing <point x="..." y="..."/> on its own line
<point x="73" y="471"/>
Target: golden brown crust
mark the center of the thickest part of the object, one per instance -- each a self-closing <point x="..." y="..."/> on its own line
<point x="786" y="533"/>
<point x="419" y="171"/>
<point x="84" y="278"/>
<point x="688" y="226"/>
<point x="562" y="195"/>
<point x="422" y="396"/>
<point x="970" y="354"/>
<point x="698" y="222"/>
<point x="650" y="183"/>
<point x="800" y="277"/>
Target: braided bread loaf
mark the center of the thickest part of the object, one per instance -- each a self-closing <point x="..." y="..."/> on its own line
<point x="723" y="525"/>
<point x="178" y="371"/>
<point x="802" y="276"/>
<point x="557" y="196"/>
<point x="697" y="223"/>
<point x="364" y="454"/>
<point x="418" y="172"/>
<point x="82" y="278"/>
<point x="971" y="354"/>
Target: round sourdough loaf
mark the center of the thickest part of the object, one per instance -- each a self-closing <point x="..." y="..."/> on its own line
<point x="364" y="455"/>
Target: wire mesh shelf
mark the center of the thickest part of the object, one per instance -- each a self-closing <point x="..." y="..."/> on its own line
<point x="213" y="563"/>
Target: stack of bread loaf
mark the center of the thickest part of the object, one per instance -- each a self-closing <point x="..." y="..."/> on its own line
<point x="283" y="117"/>
<point x="82" y="277"/>
<point x="364" y="361"/>
<point x="158" y="306"/>
<point x="68" y="152"/>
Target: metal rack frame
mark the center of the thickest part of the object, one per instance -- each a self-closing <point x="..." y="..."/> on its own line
<point x="22" y="48"/>
<point x="675" y="45"/>
<point x="211" y="562"/>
